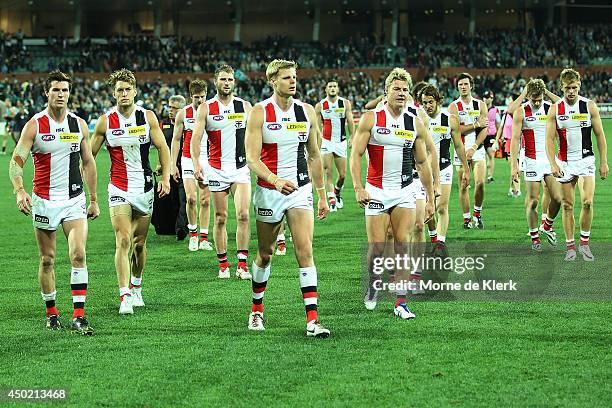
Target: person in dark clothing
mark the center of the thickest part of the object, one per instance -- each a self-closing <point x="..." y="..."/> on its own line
<point x="177" y="191"/>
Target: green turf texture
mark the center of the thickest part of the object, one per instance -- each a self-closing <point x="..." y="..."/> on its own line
<point x="190" y="346"/>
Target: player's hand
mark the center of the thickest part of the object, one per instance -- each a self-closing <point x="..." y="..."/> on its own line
<point x="469" y="153"/>
<point x="93" y="211"/>
<point x="176" y="175"/>
<point x="24" y="202"/>
<point x="465" y="179"/>
<point x="603" y="170"/>
<point x="163" y="187"/>
<point x="556" y="170"/>
<point x="485" y="124"/>
<point x="429" y="210"/>
<point x="322" y="208"/>
<point x="362" y="197"/>
<point x="284" y="187"/>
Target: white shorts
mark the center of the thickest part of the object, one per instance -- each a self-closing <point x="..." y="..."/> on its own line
<point x="479" y="155"/>
<point x="141" y="202"/>
<point x="3" y="128"/>
<point x="270" y="205"/>
<point x="221" y="180"/>
<point x="446" y="176"/>
<point x="187" y="170"/>
<point x="49" y="214"/>
<point x="335" y="148"/>
<point x="522" y="160"/>
<point x="383" y="201"/>
<point x="576" y="168"/>
<point x="535" y="170"/>
<point x="418" y="190"/>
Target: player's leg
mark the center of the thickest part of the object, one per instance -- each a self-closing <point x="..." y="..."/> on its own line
<point x="301" y="223"/>
<point x="121" y="219"/>
<point x="242" y="202"/>
<point x="490" y="153"/>
<point x="378" y="227"/>
<point x="76" y="234"/>
<point x="568" y="198"/>
<point x="204" y="217"/>
<point x="140" y="228"/>
<point x="553" y="192"/>
<point x="266" y="237"/>
<point x="328" y="168"/>
<point x="545" y="202"/>
<point x="402" y="219"/>
<point x="220" y="231"/>
<point x="587" y="192"/>
<point x="464" y="198"/>
<point x="442" y="210"/>
<point x="417" y="238"/>
<point x="281" y="243"/>
<point x="479" y="192"/>
<point x="46" y="274"/>
<point x="191" y="195"/>
<point x="531" y="212"/>
<point x="341" y="163"/>
<point x="4" y="135"/>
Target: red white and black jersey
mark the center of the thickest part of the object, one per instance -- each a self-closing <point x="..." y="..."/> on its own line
<point x="128" y="142"/>
<point x="441" y="135"/>
<point x="188" y="126"/>
<point x="413" y="110"/>
<point x="390" y="157"/>
<point x="574" y="128"/>
<point x="334" y="119"/>
<point x="534" y="131"/>
<point x="57" y="153"/>
<point x="225" y="129"/>
<point x="285" y="135"/>
<point x="468" y="114"/>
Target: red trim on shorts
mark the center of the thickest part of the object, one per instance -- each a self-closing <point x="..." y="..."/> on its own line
<point x="376" y="155"/>
<point x="118" y="170"/>
<point x="269" y="157"/>
<point x="42" y="174"/>
<point x="214" y="152"/>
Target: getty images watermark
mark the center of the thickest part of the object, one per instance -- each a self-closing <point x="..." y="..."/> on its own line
<point x="479" y="271"/>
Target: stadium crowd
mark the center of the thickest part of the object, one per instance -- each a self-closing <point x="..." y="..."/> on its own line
<point x="492" y="48"/>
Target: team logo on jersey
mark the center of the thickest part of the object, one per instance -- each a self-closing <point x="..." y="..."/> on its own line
<point x="74" y="147"/>
<point x="296" y="126"/>
<point x="274" y="126"/>
<point x="236" y="116"/>
<point x="47" y="138"/>
<point x="303" y="137"/>
<point x="563" y="117"/>
<point x="116" y="199"/>
<point x="404" y="134"/>
<point x="142" y="138"/>
<point x="41" y="218"/>
<point x="580" y="116"/>
<point x="69" y="137"/>
<point x="376" y="205"/>
<point x="137" y="131"/>
<point x="440" y="129"/>
<point x="218" y="118"/>
<point x="265" y="212"/>
<point x="383" y="131"/>
<point x="120" y="132"/>
<point x="530" y="119"/>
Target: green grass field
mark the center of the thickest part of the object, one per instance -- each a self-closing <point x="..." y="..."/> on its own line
<point x="190" y="347"/>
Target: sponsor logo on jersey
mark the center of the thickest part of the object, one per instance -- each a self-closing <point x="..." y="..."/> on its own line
<point x="542" y="118"/>
<point x="383" y="131"/>
<point x="563" y="117"/>
<point x="404" y="134"/>
<point x="339" y="110"/>
<point x="120" y="132"/>
<point x="75" y="187"/>
<point x="47" y="138"/>
<point x="69" y="137"/>
<point x="236" y="116"/>
<point x="440" y="129"/>
<point x="475" y="113"/>
<point x="274" y="126"/>
<point x="296" y="126"/>
<point x="214" y="183"/>
<point x="303" y="176"/>
<point x="376" y="205"/>
<point x="187" y="171"/>
<point x="41" y="218"/>
<point x="265" y="212"/>
<point x="117" y="199"/>
<point x="165" y="127"/>
<point x="137" y="131"/>
<point x="218" y="118"/>
<point x="580" y="116"/>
